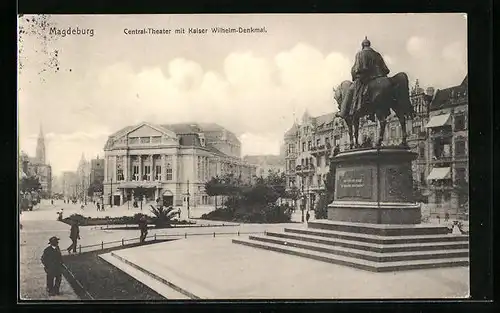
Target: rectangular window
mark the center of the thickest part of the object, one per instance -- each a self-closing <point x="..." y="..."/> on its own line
<point x="421" y="152"/>
<point x="337" y="140"/>
<point x="318" y="142"/>
<point x="156" y="139"/>
<point x="147" y="172"/>
<point x="303" y="147"/>
<point x="460" y="175"/>
<point x="460" y="148"/>
<point x="119" y="175"/>
<point x="416" y="129"/>
<point x="135" y="172"/>
<point x="393" y="133"/>
<point x="459" y="121"/>
<point x="158" y="172"/>
<point x="145" y="139"/>
<point x="309" y="144"/>
<point x="168" y="171"/>
<point x="133" y="140"/>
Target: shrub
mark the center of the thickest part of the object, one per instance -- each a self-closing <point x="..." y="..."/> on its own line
<point x="163" y="216"/>
<point x="82" y="220"/>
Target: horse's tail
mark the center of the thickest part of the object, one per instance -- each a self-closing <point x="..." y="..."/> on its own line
<point x="401" y="85"/>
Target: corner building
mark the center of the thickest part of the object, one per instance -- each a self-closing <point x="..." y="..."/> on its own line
<point x="448" y="152"/>
<point x="172" y="162"/>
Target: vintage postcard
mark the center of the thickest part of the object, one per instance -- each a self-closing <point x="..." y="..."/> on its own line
<point x="256" y="156"/>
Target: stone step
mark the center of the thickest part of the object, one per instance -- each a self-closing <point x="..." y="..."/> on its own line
<point x="379" y="239"/>
<point x="143" y="277"/>
<point x="366" y="255"/>
<point x="356" y="263"/>
<point x="374" y="247"/>
<point x="379" y="229"/>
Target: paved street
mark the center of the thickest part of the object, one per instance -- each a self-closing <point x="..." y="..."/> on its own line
<point x="34" y="238"/>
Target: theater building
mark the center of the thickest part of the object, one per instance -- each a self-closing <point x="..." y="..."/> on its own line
<point x="171" y="162"/>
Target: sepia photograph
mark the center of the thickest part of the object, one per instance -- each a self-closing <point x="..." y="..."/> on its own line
<point x="243" y="156"/>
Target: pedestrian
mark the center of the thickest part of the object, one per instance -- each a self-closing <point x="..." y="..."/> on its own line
<point x="74" y="235"/>
<point x="52" y="201"/>
<point x="53" y="265"/>
<point x="446" y="216"/>
<point x="143" y="226"/>
<point x="308" y="216"/>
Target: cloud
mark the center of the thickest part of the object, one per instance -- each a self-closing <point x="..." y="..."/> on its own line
<point x="252" y="95"/>
<point x="419" y="47"/>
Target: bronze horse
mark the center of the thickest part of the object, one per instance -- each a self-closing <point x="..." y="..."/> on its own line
<point x="385" y="93"/>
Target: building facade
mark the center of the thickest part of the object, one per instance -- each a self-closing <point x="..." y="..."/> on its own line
<point x="70" y="182"/>
<point x="97" y="170"/>
<point x="448" y="145"/>
<point x="264" y="164"/>
<point x="309" y="145"/>
<point x="171" y="162"/>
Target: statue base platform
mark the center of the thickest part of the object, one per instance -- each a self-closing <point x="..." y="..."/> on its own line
<point x="374" y="186"/>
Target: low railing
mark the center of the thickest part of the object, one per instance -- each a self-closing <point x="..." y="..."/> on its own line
<point x="156" y="237"/>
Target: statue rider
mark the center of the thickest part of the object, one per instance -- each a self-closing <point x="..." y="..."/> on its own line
<point x="368" y="65"/>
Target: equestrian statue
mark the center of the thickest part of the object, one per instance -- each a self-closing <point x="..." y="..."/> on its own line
<point x="372" y="94"/>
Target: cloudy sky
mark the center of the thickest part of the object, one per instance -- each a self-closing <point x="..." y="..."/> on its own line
<point x="252" y="84"/>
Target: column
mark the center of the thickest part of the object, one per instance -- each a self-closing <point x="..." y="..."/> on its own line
<point x="163" y="168"/>
<point x="106" y="164"/>
<point x="126" y="170"/>
<point x="151" y="167"/>
<point x="140" y="166"/>
<point x="115" y="158"/>
<point x="175" y="175"/>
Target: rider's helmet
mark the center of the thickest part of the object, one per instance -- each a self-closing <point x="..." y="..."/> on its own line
<point x="365" y="43"/>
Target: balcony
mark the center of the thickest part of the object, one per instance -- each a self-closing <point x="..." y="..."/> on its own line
<point x="316" y="187"/>
<point x="304" y="170"/>
<point x="320" y="150"/>
<point x="441" y="134"/>
<point x="444" y="158"/>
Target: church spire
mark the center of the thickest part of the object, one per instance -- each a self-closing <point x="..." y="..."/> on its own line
<point x="40" y="147"/>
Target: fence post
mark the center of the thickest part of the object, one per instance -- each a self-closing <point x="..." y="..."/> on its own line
<point x="122" y="242"/>
<point x="102" y="245"/>
<point x="80" y="249"/>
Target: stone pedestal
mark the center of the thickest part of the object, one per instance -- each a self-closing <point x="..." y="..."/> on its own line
<point x="374" y="186"/>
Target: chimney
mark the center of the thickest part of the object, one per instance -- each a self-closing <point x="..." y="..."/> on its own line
<point x="429" y="91"/>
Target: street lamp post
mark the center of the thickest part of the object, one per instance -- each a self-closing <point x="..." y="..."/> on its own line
<point x="303" y="204"/>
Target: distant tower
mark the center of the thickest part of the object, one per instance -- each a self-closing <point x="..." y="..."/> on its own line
<point x="40" y="148"/>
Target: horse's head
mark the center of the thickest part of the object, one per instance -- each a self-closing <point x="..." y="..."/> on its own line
<point x="340" y="91"/>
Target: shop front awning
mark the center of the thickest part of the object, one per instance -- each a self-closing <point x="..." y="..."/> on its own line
<point x="439" y="173"/>
<point x="439" y="120"/>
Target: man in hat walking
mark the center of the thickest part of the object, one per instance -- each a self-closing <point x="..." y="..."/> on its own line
<point x="74" y="235"/>
<point x="53" y="264"/>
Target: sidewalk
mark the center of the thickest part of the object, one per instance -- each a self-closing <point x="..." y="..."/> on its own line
<point x="33" y="239"/>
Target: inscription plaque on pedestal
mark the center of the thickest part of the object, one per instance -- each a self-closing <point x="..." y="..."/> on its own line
<point x="355" y="183"/>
